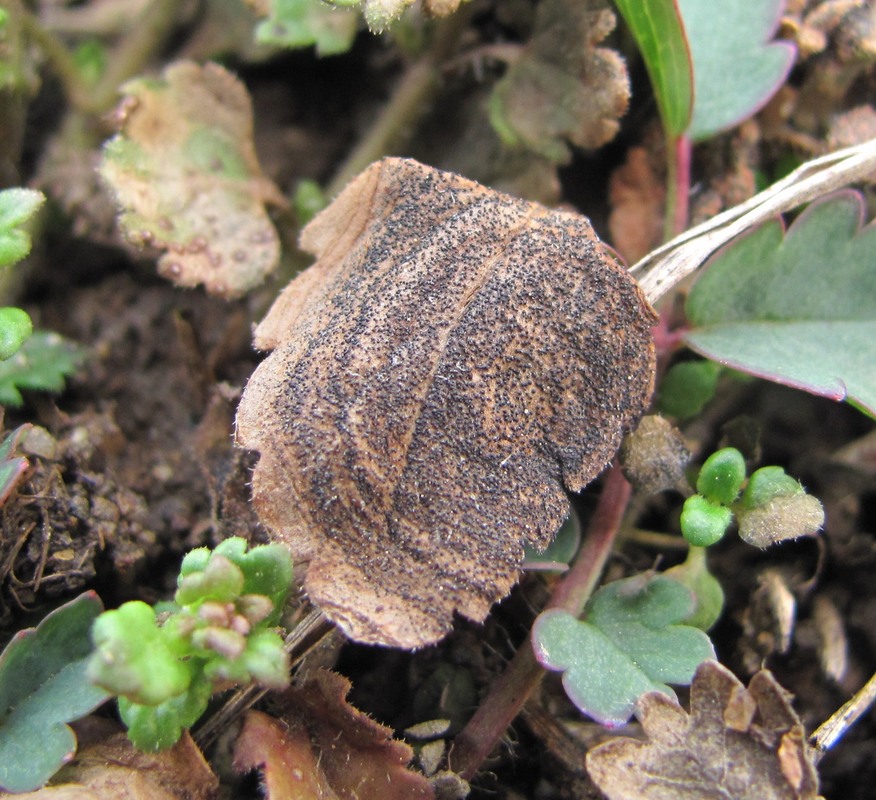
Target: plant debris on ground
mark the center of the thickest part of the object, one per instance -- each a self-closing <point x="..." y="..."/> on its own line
<point x="447" y="392"/>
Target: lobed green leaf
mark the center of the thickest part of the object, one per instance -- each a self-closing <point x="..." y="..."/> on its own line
<point x="797" y="308"/>
<point x="43" y="685"/>
<point x="630" y="642"/>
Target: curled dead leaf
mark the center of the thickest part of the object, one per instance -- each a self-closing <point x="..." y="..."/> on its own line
<point x="454" y="362"/>
<point x="323" y="748"/>
<point x="747" y="744"/>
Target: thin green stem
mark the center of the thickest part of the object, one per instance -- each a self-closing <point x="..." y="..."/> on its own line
<point x="128" y="58"/>
<point x="395" y="123"/>
<point x="134" y="52"/>
<point x="523" y="674"/>
<point x="59" y="57"/>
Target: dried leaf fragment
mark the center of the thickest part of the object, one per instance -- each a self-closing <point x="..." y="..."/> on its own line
<point x="453" y="363"/>
<point x="563" y="89"/>
<point x="184" y="171"/>
<point x="747" y="744"/>
<point x="324" y="748"/>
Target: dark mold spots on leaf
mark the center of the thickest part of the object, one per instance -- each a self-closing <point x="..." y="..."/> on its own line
<point x="454" y="362"/>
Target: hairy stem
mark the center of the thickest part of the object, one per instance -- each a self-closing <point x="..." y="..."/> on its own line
<point x="395" y="123"/>
<point x="59" y="57"/>
<point x="134" y="51"/>
<point x="523" y="674"/>
<point x="128" y="58"/>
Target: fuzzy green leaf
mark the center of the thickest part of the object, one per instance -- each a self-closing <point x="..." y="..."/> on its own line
<point x="16" y="207"/>
<point x="42" y="687"/>
<point x="798" y="309"/>
<point x="722" y="475"/>
<point x="736" y="68"/>
<point x="301" y="23"/>
<point x="15" y="328"/>
<point x="263" y="570"/>
<point x="158" y="727"/>
<point x="132" y="658"/>
<point x="703" y="523"/>
<point x="628" y="643"/>
<point x="42" y="363"/>
<point x="658" y="30"/>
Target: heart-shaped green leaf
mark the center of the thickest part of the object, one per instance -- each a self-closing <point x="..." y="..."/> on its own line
<point x="628" y="643"/>
<point x="798" y="308"/>
<point x="42" y="687"/>
<point x="736" y="68"/>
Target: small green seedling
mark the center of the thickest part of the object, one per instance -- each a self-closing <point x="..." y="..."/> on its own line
<point x="164" y="663"/>
<point x="773" y="506"/>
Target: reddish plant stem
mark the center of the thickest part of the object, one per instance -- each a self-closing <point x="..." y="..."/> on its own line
<point x="678" y="158"/>
<point x="523" y="674"/>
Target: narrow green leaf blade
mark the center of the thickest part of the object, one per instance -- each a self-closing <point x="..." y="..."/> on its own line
<point x="798" y="309"/>
<point x="658" y="30"/>
<point x="736" y="67"/>
<point x="42" y="687"/>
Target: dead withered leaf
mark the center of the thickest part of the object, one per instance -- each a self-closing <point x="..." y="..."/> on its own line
<point x="563" y="89"/>
<point x="745" y="744"/>
<point x="324" y="748"/>
<point x="113" y="769"/>
<point x="184" y="171"/>
<point x="454" y="362"/>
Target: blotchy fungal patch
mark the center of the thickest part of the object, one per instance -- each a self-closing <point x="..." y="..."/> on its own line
<point x="454" y="362"/>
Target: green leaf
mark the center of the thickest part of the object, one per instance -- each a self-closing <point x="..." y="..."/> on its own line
<point x="694" y="574"/>
<point x="557" y="555"/>
<point x="15" y="328"/>
<point x="42" y="363"/>
<point x="158" y="727"/>
<point x="736" y="68"/>
<point x="301" y="23"/>
<point x="768" y="483"/>
<point x="263" y="570"/>
<point x="186" y="176"/>
<point x="703" y="523"/>
<point x="43" y="686"/>
<point x="722" y="475"/>
<point x="687" y="387"/>
<point x="658" y="30"/>
<point x="775" y="507"/>
<point x="132" y="658"/>
<point x="629" y="643"/>
<point x="798" y="309"/>
<point x="16" y="207"/>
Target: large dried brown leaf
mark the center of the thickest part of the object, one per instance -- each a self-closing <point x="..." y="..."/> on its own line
<point x="454" y="362"/>
<point x="745" y="744"/>
<point x="324" y="748"/>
